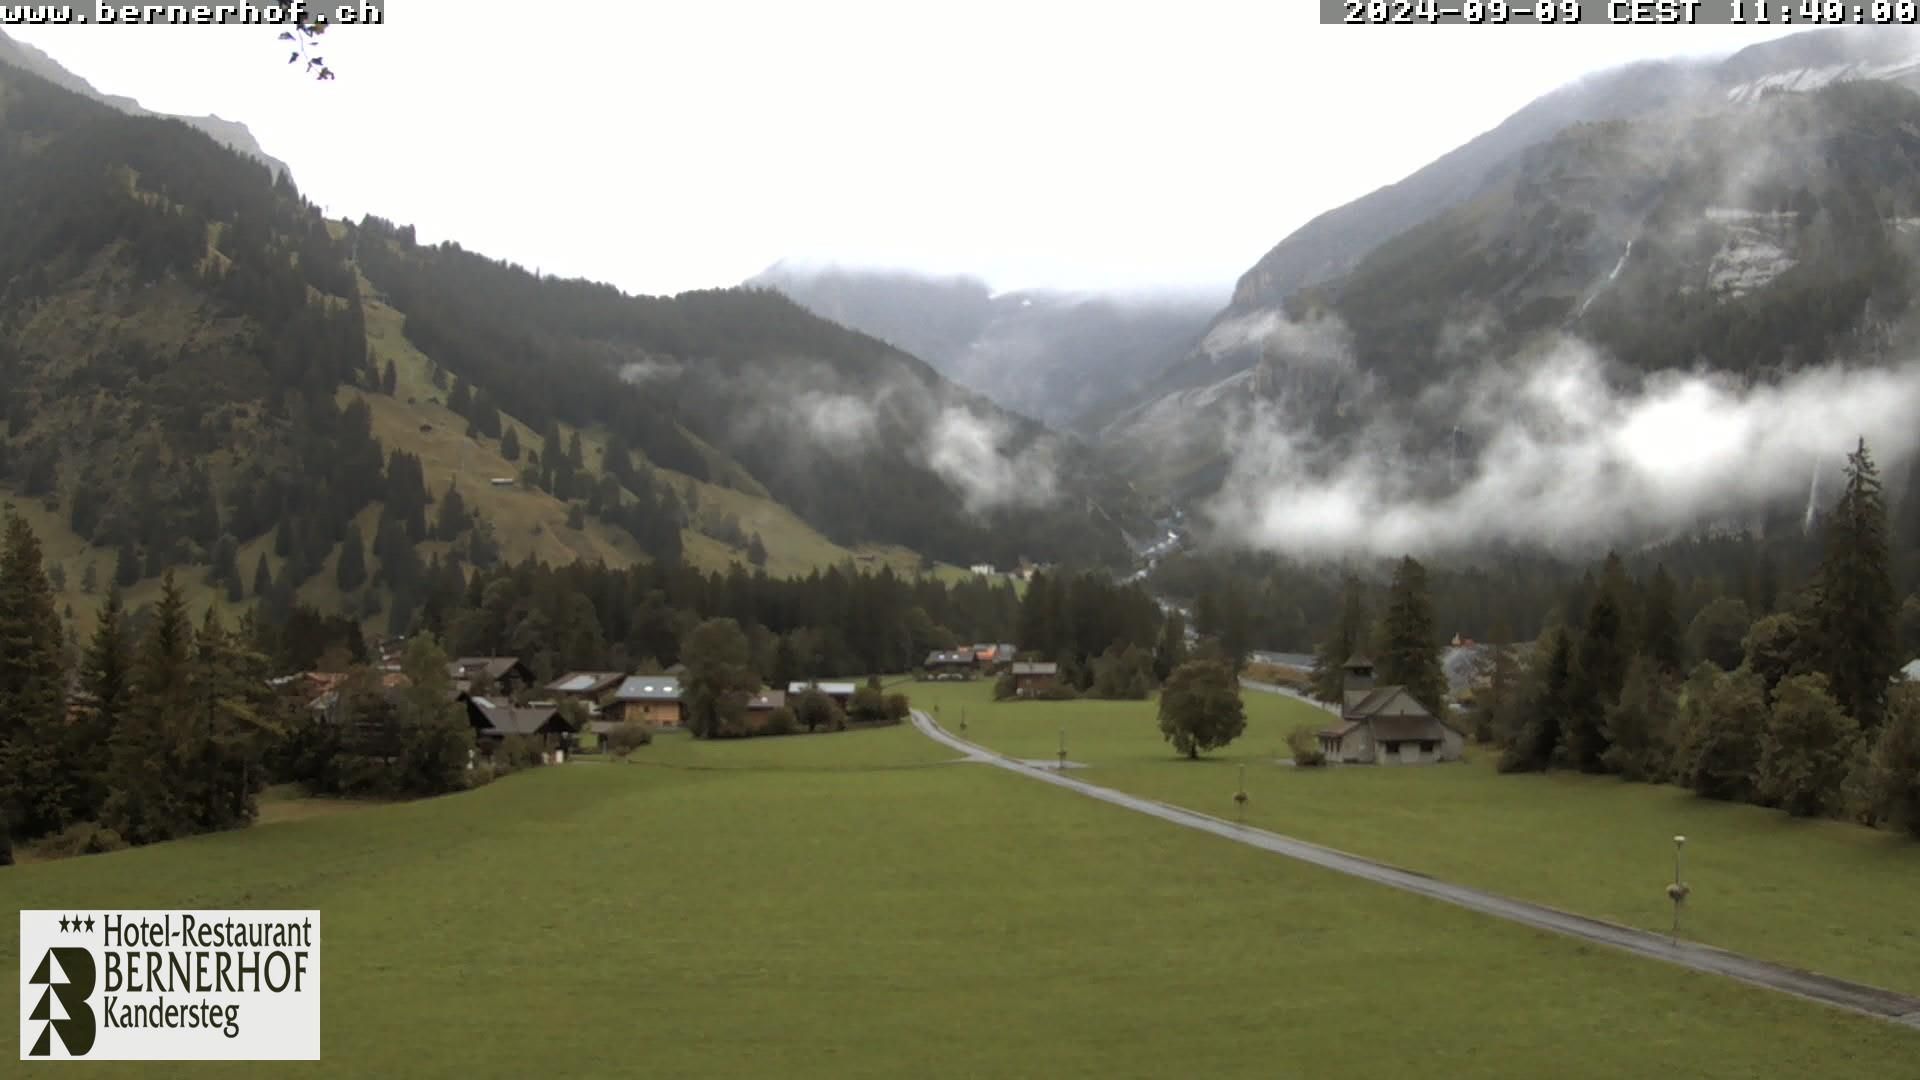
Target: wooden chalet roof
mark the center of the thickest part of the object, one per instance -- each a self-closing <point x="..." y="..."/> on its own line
<point x="648" y="688"/>
<point x="956" y="656"/>
<point x="767" y="699"/>
<point x="585" y="682"/>
<point x="1025" y="668"/>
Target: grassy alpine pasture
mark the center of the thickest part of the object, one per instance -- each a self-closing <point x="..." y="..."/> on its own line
<point x="851" y="905"/>
<point x="1827" y="896"/>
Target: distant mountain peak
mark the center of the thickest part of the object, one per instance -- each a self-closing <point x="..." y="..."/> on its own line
<point x="231" y="134"/>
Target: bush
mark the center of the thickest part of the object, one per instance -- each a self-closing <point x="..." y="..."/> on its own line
<point x="780" y="721"/>
<point x="1304" y="744"/>
<point x="816" y="711"/>
<point x="83" y="838"/>
<point x="1060" y="691"/>
<point x="899" y="707"/>
<point x="628" y="737"/>
<point x="1003" y="687"/>
<point x="517" y="752"/>
<point x="869" y="706"/>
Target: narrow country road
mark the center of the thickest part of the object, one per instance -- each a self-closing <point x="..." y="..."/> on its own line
<point x="1856" y="997"/>
<point x="1286" y="691"/>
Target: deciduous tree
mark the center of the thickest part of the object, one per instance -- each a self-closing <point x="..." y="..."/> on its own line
<point x="1200" y="707"/>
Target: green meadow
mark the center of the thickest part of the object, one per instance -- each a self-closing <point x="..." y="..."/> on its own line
<point x="855" y="905"/>
<point x="1827" y="896"/>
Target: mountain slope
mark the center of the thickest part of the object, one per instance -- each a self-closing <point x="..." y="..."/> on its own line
<point x="228" y="133"/>
<point x="1539" y="232"/>
<point x="202" y="374"/>
<point x="1053" y="356"/>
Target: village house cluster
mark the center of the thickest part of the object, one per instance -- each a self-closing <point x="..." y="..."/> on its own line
<point x="503" y="697"/>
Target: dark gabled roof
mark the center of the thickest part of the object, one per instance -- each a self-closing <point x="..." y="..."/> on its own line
<point x="1406" y="728"/>
<point x="504" y="719"/>
<point x="491" y="667"/>
<point x="1358" y="660"/>
<point x="1361" y="704"/>
<point x="1024" y="668"/>
<point x="949" y="657"/>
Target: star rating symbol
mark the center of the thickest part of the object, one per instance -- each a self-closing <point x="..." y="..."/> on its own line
<point x="75" y="924"/>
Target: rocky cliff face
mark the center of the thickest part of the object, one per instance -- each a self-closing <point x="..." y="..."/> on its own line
<point x="229" y="133"/>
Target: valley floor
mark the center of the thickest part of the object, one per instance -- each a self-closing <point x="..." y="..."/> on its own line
<point x="1820" y="895"/>
<point x="858" y="905"/>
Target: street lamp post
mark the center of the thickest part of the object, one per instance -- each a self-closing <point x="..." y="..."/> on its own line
<point x="1677" y="892"/>
<point x="1063" y="750"/>
<point x="1240" y="796"/>
<point x="963" y="722"/>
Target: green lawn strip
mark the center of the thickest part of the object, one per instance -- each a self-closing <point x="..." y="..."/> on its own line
<point x="944" y="921"/>
<point x="1827" y="896"/>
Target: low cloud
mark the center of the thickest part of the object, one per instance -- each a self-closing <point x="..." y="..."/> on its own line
<point x="840" y="423"/>
<point x="639" y="372"/>
<point x="1557" y="456"/>
<point x="971" y="452"/>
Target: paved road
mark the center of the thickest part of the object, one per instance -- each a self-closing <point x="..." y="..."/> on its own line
<point x="1286" y="691"/>
<point x="1856" y="997"/>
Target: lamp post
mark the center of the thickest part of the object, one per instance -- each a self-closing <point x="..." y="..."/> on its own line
<point x="1063" y="750"/>
<point x="1240" y="796"/>
<point x="963" y="721"/>
<point x="1677" y="892"/>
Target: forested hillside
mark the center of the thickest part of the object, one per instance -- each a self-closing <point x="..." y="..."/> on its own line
<point x="202" y="373"/>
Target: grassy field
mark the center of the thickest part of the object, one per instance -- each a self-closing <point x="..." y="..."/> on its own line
<point x="849" y="905"/>
<point x="1827" y="896"/>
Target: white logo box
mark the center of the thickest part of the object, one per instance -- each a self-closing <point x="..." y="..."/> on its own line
<point x="183" y="985"/>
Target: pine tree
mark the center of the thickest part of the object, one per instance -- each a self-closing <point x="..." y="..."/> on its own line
<point x="231" y="723"/>
<point x="126" y="565"/>
<point x="1409" y="647"/>
<point x="1599" y="668"/>
<point x="151" y="750"/>
<point x="351" y="573"/>
<point x="38" y="790"/>
<point x="756" y="551"/>
<point x="510" y="444"/>
<point x="1854" y="604"/>
<point x="262" y="577"/>
<point x="1170" y="650"/>
<point x="389" y="379"/>
<point x="105" y="674"/>
<point x="1660" y="627"/>
<point x="1346" y="638"/>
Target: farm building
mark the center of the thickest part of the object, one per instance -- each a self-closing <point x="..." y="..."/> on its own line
<point x="840" y="692"/>
<point x="1029" y="679"/>
<point x="502" y="676"/>
<point x="954" y="664"/>
<point x="1384" y="725"/>
<point x="590" y="687"/>
<point x="760" y="708"/>
<point x="494" y="720"/>
<point x="647" y="699"/>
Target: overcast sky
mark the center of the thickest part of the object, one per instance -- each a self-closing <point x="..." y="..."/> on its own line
<point x="672" y="146"/>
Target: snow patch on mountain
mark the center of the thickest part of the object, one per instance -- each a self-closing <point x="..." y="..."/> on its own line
<point x="1806" y="80"/>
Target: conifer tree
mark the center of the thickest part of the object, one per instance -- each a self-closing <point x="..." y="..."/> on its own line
<point x="1409" y="648"/>
<point x="105" y="674"/>
<point x="262" y="577"/>
<point x="1346" y="638"/>
<point x="151" y="750"/>
<point x="1598" y="670"/>
<point x="510" y="444"/>
<point x="1660" y="627"/>
<point x="389" y="379"/>
<point x="351" y="573"/>
<point x="1854" y="602"/>
<point x="1170" y="650"/>
<point x="37" y="788"/>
